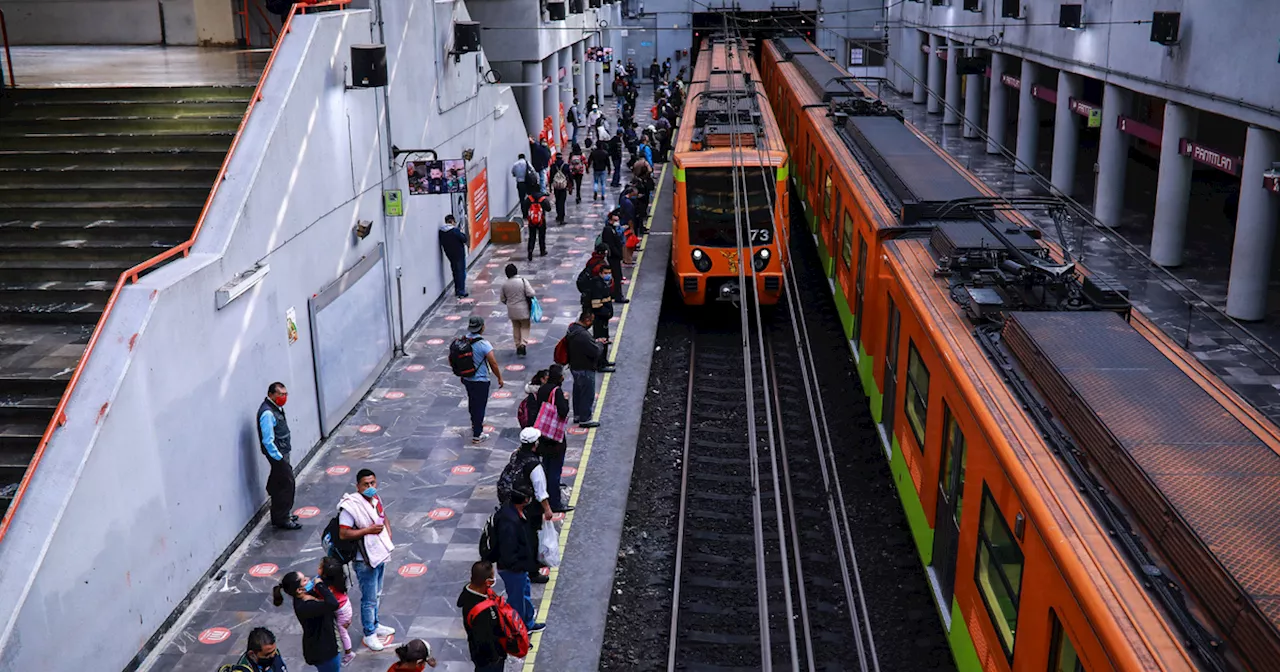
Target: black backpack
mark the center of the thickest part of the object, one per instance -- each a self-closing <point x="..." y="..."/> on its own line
<point x="489" y="539"/>
<point x="519" y="466"/>
<point x="584" y="281"/>
<point x="344" y="551"/>
<point x="462" y="356"/>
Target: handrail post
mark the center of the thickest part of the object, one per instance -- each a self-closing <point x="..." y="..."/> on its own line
<point x="8" y="55"/>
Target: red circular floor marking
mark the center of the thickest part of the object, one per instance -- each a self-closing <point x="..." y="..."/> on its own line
<point x="514" y="367"/>
<point x="394" y="394"/>
<point x="338" y="470"/>
<point x="442" y="513"/>
<point x="566" y="472"/>
<point x="559" y="281"/>
<point x="492" y="265"/>
<point x="463" y="470"/>
<point x="530" y="341"/>
<point x="414" y="368"/>
<point x="575" y="251"/>
<point x="435" y="341"/>
<point x="479" y="282"/>
<point x="490" y="428"/>
<point x="502" y="394"/>
<point x="307" y="512"/>
<point x="214" y="636"/>
<point x="577" y="431"/>
<point x="568" y="264"/>
<point x="580" y="239"/>
<point x="452" y="318"/>
<point x="466" y="300"/>
<point x="264" y="569"/>
<point x="412" y="570"/>
<point x="370" y="428"/>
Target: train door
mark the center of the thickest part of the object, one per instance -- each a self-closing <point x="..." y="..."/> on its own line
<point x="946" y="524"/>
<point x="887" y="406"/>
<point x="859" y="288"/>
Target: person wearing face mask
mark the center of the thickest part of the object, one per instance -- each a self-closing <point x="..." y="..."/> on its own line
<point x="361" y="516"/>
<point x="602" y="304"/>
<point x="261" y="654"/>
<point x="273" y="441"/>
<point x="315" y="607"/>
<point x="481" y="624"/>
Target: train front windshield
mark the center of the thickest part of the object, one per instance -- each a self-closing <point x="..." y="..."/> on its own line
<point x="709" y="197"/>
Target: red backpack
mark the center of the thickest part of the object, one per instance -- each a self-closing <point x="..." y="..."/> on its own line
<point x="513" y="637"/>
<point x="561" y="354"/>
<point x="523" y="414"/>
<point x="535" y="214"/>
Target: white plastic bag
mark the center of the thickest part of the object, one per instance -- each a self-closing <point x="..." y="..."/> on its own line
<point x="549" y="545"/>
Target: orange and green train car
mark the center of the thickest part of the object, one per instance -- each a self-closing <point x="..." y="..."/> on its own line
<point x="1055" y="506"/>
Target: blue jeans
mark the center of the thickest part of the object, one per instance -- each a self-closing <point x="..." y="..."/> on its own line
<point x="459" y="266"/>
<point x="517" y="587"/>
<point x="584" y="395"/>
<point x="574" y="137"/>
<point x="370" y="579"/>
<point x="334" y="664"/>
<point x="598" y="178"/>
<point x="477" y="402"/>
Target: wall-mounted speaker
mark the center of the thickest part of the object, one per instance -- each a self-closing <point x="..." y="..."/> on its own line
<point x="466" y="37"/>
<point x="556" y="11"/>
<point x="1164" y="27"/>
<point x="973" y="5"/>
<point x="1071" y="16"/>
<point x="368" y="65"/>
<point x="1011" y="9"/>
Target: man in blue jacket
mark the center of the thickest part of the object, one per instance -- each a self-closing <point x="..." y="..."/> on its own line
<point x="517" y="554"/>
<point x="454" y="243"/>
<point x="274" y="442"/>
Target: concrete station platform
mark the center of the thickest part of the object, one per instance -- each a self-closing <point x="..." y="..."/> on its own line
<point x="413" y="430"/>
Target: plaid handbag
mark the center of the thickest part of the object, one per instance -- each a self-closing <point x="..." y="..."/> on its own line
<point x="549" y="421"/>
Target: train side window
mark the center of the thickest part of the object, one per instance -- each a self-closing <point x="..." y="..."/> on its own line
<point x="847" y="252"/>
<point x="826" y="201"/>
<point x="998" y="572"/>
<point x="917" y="401"/>
<point x="1062" y="657"/>
<point x="860" y="288"/>
<point x="813" y="163"/>
<point x="953" y="461"/>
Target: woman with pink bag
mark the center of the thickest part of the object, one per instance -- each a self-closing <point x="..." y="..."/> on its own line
<point x="553" y="418"/>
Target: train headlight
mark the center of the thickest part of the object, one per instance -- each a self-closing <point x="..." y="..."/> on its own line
<point x="701" y="261"/>
<point x="760" y="260"/>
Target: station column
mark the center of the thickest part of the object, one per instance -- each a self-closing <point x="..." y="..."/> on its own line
<point x="564" y="93"/>
<point x="533" y="97"/>
<point x="972" y="102"/>
<point x="920" y="67"/>
<point x="997" y="106"/>
<point x="1066" y="134"/>
<point x="935" y="74"/>
<point x="951" y="115"/>
<point x="1169" y="229"/>
<point x="580" y="80"/>
<point x="550" y="94"/>
<point x="1113" y="157"/>
<point x="1255" y="228"/>
<point x="1028" y="120"/>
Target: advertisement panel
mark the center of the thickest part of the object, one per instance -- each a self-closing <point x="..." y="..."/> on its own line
<point x="478" y="202"/>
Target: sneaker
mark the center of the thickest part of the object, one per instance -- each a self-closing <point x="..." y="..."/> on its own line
<point x="373" y="643"/>
<point x="348" y="657"/>
<point x="520" y="350"/>
<point x="537" y="627"/>
<point x="384" y="630"/>
<point x="480" y="439"/>
<point x="538" y="578"/>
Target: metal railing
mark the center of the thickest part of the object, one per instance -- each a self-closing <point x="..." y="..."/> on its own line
<point x="131" y="276"/>
<point x="8" y="55"/>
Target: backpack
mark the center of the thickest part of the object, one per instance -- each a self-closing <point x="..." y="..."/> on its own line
<point x="571" y="117"/>
<point x="561" y="354"/>
<point x="462" y="356"/>
<point x="535" y="214"/>
<point x="560" y="181"/>
<point x="515" y="468"/>
<point x="488" y="538"/>
<point x="584" y="283"/>
<point x="513" y="637"/>
<point x="524" y="411"/>
<point x="577" y="165"/>
<point x="342" y="550"/>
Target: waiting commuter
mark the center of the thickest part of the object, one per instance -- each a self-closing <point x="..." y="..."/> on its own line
<point x="454" y="243"/>
<point x="655" y="74"/>
<point x="561" y="182"/>
<point x="261" y="654"/>
<point x="414" y="656"/>
<point x="552" y="424"/>
<point x="477" y="383"/>
<point x="586" y="356"/>
<point x="615" y="156"/>
<point x="314" y="606"/>
<point x="577" y="169"/>
<point x="361" y="517"/>
<point x="601" y="163"/>
<point x="481" y="625"/>
<point x="335" y="577"/>
<point x="525" y="467"/>
<point x="517" y="554"/>
<point x="520" y="171"/>
<point x="541" y="154"/>
<point x="274" y="442"/>
<point x="517" y="294"/>
<point x="610" y="236"/>
<point x="602" y="304"/>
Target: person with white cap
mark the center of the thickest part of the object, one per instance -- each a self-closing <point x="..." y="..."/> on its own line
<point x="477" y="383"/>
<point x="524" y="472"/>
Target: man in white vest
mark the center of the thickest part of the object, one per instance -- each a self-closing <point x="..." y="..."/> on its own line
<point x="360" y="516"/>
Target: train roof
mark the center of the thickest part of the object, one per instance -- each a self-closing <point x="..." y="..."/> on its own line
<point x="725" y="105"/>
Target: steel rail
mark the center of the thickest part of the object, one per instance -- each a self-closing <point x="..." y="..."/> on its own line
<point x="684" y="501"/>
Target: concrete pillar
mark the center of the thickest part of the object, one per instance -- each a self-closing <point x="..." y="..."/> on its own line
<point x="594" y="69"/>
<point x="919" y="66"/>
<point x="972" y="102"/>
<point x="1256" y="222"/>
<point x="532" y="97"/>
<point x="1113" y="157"/>
<point x="935" y="74"/>
<point x="997" y="106"/>
<point x="1173" y="190"/>
<point x="564" y="91"/>
<point x="550" y="94"/>
<point x="1028" y="120"/>
<point x="1066" y="134"/>
<point x="580" y="80"/>
<point x="951" y="114"/>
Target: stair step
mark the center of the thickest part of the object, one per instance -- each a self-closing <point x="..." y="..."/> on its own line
<point x="67" y="270"/>
<point x="28" y="410"/>
<point x="98" y="210"/>
<point x="48" y="387"/>
<point x="54" y="292"/>
<point x="135" y="252"/>
<point x="103" y="109"/>
<point x="132" y="141"/>
<point x="132" y="94"/>
<point x="102" y="159"/>
<point x="70" y="178"/>
<point x="71" y="193"/>
<point x="143" y="124"/>
<point x="87" y="312"/>
<point x="169" y="231"/>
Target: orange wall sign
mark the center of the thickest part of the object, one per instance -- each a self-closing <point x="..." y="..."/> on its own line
<point x="478" y="199"/>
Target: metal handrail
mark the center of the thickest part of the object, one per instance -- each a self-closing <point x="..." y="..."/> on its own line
<point x="8" y="56"/>
<point x="131" y="276"/>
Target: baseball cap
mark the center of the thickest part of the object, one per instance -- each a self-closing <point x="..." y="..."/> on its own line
<point x="530" y="435"/>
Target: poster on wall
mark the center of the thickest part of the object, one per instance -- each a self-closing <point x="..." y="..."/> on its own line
<point x="455" y="173"/>
<point x="291" y="324"/>
<point x="436" y="177"/>
<point x="599" y="54"/>
<point x="478" y="200"/>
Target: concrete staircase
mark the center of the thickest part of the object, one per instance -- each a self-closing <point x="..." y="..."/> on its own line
<point x="92" y="182"/>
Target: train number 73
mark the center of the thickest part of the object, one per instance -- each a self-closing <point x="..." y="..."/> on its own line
<point x="760" y="236"/>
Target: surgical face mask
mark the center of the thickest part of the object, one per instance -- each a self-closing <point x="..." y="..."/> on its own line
<point x="607" y="278"/>
<point x="306" y="587"/>
<point x="369" y="491"/>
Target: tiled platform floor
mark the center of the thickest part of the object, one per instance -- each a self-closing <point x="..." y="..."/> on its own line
<point x="1220" y="346"/>
<point x="413" y="430"/>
